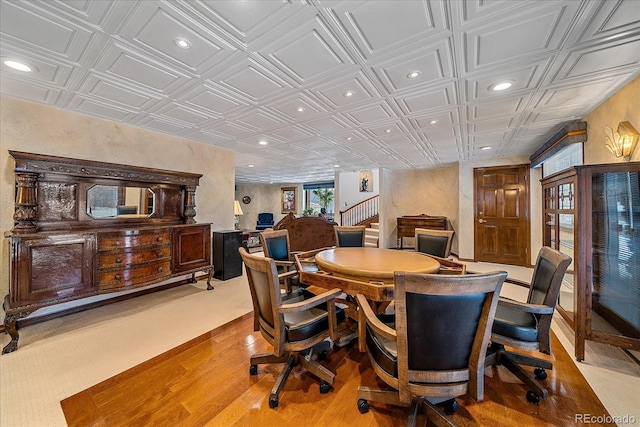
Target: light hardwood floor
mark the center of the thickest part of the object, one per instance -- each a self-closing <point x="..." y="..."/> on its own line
<point x="206" y="382"/>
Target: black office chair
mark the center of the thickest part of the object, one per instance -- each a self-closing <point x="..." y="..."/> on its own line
<point x="434" y="242"/>
<point x="433" y="350"/>
<point x="349" y="236"/>
<point x="527" y="326"/>
<point x="295" y="324"/>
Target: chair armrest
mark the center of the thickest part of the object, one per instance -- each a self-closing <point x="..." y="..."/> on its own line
<point x="366" y="316"/>
<point x="309" y="303"/>
<point x="523" y="306"/>
<point x="517" y="282"/>
<point x="287" y="274"/>
<point x="285" y="263"/>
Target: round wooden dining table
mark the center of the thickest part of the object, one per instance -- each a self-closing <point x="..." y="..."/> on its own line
<point x="373" y="264"/>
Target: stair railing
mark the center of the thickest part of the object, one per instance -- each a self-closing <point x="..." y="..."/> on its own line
<point x="360" y="212"/>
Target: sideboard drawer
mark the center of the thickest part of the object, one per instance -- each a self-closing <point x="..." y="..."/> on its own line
<point x="107" y="241"/>
<point x="120" y="258"/>
<point x="143" y="273"/>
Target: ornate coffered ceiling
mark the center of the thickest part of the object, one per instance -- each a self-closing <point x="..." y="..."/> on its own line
<point x="281" y="72"/>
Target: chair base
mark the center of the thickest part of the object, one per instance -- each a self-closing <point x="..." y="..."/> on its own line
<point x="292" y="359"/>
<point x="497" y="355"/>
<point x="437" y="416"/>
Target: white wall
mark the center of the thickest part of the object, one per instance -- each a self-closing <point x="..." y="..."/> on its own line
<point x="348" y="190"/>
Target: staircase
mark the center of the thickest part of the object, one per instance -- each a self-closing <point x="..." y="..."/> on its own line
<point x="371" y="235"/>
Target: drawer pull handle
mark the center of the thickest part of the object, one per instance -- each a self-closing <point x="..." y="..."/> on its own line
<point x="159" y="254"/>
<point x="159" y="269"/>
<point x="159" y="239"/>
<point x="117" y="277"/>
<point x="118" y="242"/>
<point x="118" y="260"/>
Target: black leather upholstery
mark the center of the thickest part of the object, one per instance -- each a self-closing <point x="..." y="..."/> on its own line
<point x="350" y="238"/>
<point x="436" y="339"/>
<point x="303" y="325"/>
<point x="278" y="248"/>
<point x="517" y="324"/>
<point x="432" y="245"/>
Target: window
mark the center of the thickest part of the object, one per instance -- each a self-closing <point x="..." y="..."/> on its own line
<point x="319" y="195"/>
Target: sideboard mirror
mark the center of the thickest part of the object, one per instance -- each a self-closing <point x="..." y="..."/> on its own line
<point x="59" y="193"/>
<point x="115" y="201"/>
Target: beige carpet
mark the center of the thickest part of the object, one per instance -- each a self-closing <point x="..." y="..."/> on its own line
<point x="61" y="357"/>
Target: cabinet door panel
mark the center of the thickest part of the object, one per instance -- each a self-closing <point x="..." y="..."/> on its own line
<point x="192" y="247"/>
<point x="54" y="268"/>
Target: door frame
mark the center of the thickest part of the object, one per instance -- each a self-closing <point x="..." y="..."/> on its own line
<point x="527" y="207"/>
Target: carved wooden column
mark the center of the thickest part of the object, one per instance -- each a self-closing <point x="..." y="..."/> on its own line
<point x="25" y="211"/>
<point x="190" y="205"/>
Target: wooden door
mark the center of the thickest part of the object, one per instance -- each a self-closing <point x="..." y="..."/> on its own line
<point x="502" y="228"/>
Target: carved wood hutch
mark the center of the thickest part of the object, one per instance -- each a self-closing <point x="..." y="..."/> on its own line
<point x="592" y="213"/>
<point x="84" y="228"/>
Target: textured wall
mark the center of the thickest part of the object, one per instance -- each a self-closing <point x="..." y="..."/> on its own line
<point x="622" y="106"/>
<point x="36" y="128"/>
<point x="264" y="198"/>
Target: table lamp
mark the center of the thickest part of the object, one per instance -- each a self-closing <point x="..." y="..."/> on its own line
<point x="237" y="211"/>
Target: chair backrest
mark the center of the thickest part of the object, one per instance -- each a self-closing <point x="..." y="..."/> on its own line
<point x="443" y="325"/>
<point x="548" y="273"/>
<point x="349" y="236"/>
<point x="434" y="242"/>
<point x="275" y="244"/>
<point x="262" y="276"/>
<point x="265" y="218"/>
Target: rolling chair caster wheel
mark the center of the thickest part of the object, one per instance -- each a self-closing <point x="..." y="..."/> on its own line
<point x="363" y="406"/>
<point x="273" y="401"/>
<point x="540" y="373"/>
<point x="533" y="397"/>
<point x="253" y="370"/>
<point x="324" y="387"/>
<point x="450" y="406"/>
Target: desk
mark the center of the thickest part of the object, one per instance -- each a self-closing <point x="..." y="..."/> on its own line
<point x="367" y="271"/>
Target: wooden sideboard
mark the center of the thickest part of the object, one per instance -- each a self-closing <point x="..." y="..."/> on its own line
<point x="85" y="228"/>
<point x="407" y="225"/>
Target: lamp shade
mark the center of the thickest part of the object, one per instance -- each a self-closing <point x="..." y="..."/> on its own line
<point x="237" y="209"/>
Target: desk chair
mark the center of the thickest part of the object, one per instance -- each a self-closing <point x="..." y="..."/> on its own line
<point x="434" y="348"/>
<point x="295" y="324"/>
<point x="349" y="236"/>
<point x="527" y="326"/>
<point x="434" y="242"/>
<point x="275" y="245"/>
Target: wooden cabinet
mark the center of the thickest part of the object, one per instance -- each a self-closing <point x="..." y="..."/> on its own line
<point x="72" y="238"/>
<point x="407" y="225"/>
<point x="592" y="213"/>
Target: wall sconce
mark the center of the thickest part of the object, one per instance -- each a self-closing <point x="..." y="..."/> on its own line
<point x="623" y="142"/>
<point x="237" y="211"/>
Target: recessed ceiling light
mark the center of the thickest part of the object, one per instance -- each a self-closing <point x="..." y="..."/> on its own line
<point x="262" y="142"/>
<point x="182" y="43"/>
<point x="250" y="166"/>
<point x="433" y="122"/>
<point x="18" y="66"/>
<point x="348" y="138"/>
<point x="336" y="166"/>
<point x="387" y="130"/>
<point x="501" y="86"/>
<point x="348" y="93"/>
<point x="300" y="109"/>
<point x="413" y="74"/>
<point x="485" y="148"/>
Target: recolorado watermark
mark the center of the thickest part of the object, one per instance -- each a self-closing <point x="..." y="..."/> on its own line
<point x="604" y="419"/>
